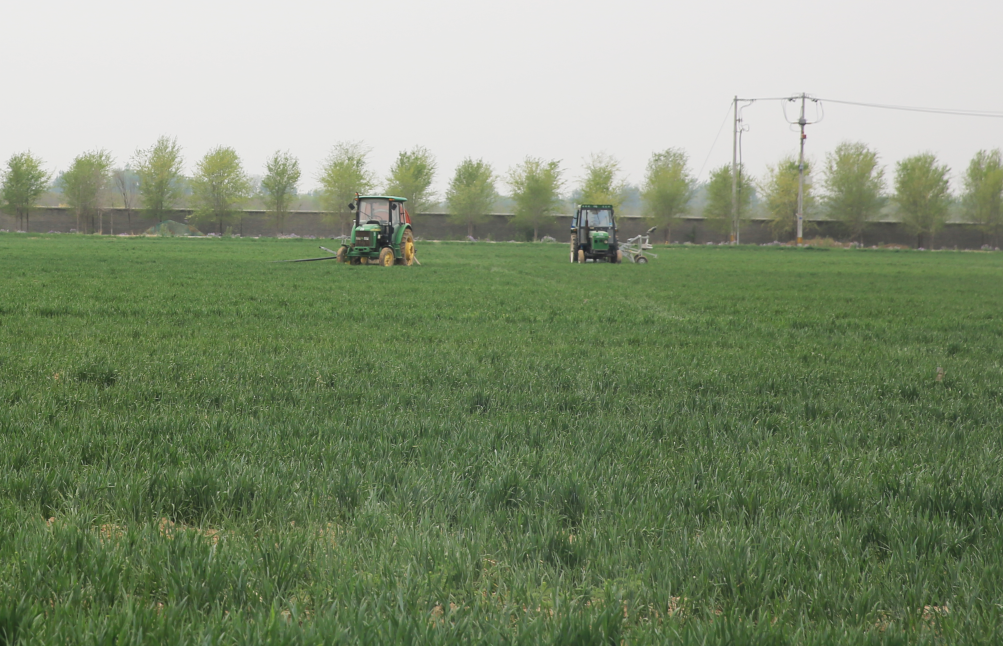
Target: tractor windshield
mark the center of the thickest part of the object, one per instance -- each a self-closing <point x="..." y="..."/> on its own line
<point x="378" y="210"/>
<point x="601" y="218"/>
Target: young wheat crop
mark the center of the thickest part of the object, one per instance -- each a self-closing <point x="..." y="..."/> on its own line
<point x="727" y="445"/>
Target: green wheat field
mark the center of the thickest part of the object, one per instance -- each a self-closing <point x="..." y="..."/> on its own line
<point x="724" y="446"/>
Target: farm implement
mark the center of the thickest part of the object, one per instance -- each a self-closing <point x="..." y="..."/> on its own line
<point x="637" y="248"/>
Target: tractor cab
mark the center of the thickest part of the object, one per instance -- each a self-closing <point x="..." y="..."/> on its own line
<point x="381" y="232"/>
<point x="593" y="234"/>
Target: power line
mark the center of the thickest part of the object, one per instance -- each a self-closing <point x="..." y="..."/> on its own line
<point x="770" y="98"/>
<point x="963" y="113"/>
<point x="716" y="137"/>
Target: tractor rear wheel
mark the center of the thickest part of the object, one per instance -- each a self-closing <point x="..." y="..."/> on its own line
<point x="341" y="254"/>
<point x="386" y="257"/>
<point x="407" y="249"/>
<point x="581" y="256"/>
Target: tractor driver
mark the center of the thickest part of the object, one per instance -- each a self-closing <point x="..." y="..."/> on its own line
<point x="600" y="218"/>
<point x="378" y="210"/>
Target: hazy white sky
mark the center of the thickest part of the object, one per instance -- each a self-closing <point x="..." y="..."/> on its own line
<point x="498" y="80"/>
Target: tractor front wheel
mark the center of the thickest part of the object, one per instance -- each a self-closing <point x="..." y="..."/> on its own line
<point x="342" y="254"/>
<point x="386" y="257"/>
<point x="581" y="256"/>
<point x="619" y="256"/>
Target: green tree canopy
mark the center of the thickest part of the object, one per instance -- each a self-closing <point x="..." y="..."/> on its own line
<point x="601" y="184"/>
<point x="161" y="184"/>
<point x="85" y="182"/>
<point x="345" y="172"/>
<point x="536" y="190"/>
<point x="718" y="209"/>
<point x="984" y="193"/>
<point x="219" y="188"/>
<point x="922" y="191"/>
<point x="278" y="188"/>
<point x="668" y="187"/>
<point x="22" y="182"/>
<point x="854" y="186"/>
<point x="411" y="177"/>
<point x="471" y="194"/>
<point x="779" y="190"/>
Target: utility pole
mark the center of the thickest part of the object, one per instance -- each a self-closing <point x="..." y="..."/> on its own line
<point x="801" y="122"/>
<point x="734" y="176"/>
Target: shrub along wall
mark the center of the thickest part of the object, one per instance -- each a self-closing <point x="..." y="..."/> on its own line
<point x="436" y="226"/>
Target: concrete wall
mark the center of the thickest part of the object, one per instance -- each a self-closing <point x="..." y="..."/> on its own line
<point x="436" y="226"/>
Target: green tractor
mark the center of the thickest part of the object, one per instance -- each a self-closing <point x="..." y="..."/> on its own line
<point x="381" y="233"/>
<point x="593" y="234"/>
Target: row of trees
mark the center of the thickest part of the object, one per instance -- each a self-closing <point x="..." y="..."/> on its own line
<point x="854" y="192"/>
<point x="852" y="189"/>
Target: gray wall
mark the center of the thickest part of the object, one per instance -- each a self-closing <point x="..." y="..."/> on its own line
<point x="436" y="226"/>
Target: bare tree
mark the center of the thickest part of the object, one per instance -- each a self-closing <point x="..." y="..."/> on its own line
<point x="127" y="185"/>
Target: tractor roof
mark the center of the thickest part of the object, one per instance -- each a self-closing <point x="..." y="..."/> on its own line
<point x="383" y="197"/>
<point x="595" y="206"/>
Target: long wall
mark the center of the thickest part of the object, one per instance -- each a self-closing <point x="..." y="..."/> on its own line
<point x="437" y="226"/>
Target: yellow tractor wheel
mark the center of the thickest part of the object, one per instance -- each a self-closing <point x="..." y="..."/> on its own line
<point x="581" y="255"/>
<point x="386" y="257"/>
<point x="619" y="256"/>
<point x="341" y="255"/>
<point x="363" y="260"/>
<point x="407" y="249"/>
